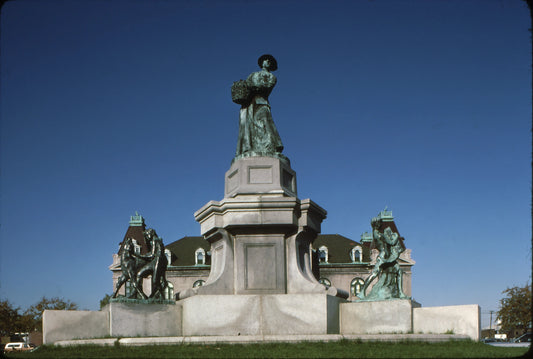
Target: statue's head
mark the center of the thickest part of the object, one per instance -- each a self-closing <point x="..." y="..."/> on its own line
<point x="271" y="63"/>
<point x="150" y="234"/>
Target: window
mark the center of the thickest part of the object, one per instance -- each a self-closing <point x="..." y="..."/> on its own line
<point x="128" y="287"/>
<point x="199" y="256"/>
<point x="168" y="254"/>
<point x="356" y="254"/>
<point x="136" y="246"/>
<point x="324" y="281"/>
<point x="198" y="283"/>
<point x="356" y="286"/>
<point x="323" y="254"/>
<point x="169" y="291"/>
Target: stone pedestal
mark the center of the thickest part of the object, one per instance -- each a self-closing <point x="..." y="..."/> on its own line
<point x="114" y="320"/>
<point x="268" y="314"/>
<point x="260" y="233"/>
<point x="459" y="319"/>
<point x="143" y="320"/>
<point x="393" y="316"/>
<point x="70" y="324"/>
<point x="259" y="175"/>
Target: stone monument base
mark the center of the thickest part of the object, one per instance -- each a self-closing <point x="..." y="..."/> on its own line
<point x="115" y="320"/>
<point x="403" y="316"/>
<point x="456" y="319"/>
<point x="380" y="317"/>
<point x="261" y="314"/>
<point x="202" y="315"/>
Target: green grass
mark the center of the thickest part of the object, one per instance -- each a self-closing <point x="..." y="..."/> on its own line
<point x="342" y="349"/>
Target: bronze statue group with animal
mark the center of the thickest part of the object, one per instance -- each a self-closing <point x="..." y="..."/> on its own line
<point x="136" y="267"/>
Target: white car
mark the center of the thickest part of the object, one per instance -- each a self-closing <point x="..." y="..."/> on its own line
<point x="16" y="347"/>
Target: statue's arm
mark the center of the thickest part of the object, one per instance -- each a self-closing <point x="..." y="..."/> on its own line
<point x="261" y="80"/>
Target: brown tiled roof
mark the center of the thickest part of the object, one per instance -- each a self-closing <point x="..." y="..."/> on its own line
<point x="136" y="232"/>
<point x="339" y="248"/>
<point x="183" y="250"/>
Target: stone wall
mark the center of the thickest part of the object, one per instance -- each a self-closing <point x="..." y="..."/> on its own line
<point x="74" y="324"/>
<point x="454" y="319"/>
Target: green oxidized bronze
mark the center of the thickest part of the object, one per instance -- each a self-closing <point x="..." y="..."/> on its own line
<point x="136" y="267"/>
<point x="258" y="135"/>
<point x="386" y="269"/>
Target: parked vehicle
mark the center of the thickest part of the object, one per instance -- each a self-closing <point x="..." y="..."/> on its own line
<point x="525" y="338"/>
<point x="16" y="347"/>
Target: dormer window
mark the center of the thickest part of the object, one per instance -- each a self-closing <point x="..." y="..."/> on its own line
<point x="323" y="254"/>
<point x="136" y="246"/>
<point x="356" y="254"/>
<point x="199" y="256"/>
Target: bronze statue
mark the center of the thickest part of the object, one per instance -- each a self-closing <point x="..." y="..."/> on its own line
<point x="156" y="265"/>
<point x="136" y="267"/>
<point x="258" y="135"/>
<point x="389" y="284"/>
<point x="129" y="262"/>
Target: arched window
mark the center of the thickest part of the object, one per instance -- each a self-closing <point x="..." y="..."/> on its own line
<point x="356" y="285"/>
<point x="136" y="246"/>
<point x="356" y="254"/>
<point x="199" y="256"/>
<point x="323" y="254"/>
<point x="169" y="291"/>
<point x="168" y="254"/>
<point x="128" y="289"/>
<point x="198" y="283"/>
<point x="324" y="281"/>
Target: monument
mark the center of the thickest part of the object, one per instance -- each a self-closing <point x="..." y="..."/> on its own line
<point x="261" y="235"/>
<point x="261" y="281"/>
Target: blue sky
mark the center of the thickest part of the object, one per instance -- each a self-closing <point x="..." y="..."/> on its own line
<point x="112" y="107"/>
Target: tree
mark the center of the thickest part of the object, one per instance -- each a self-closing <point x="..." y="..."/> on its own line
<point x="515" y="309"/>
<point x="35" y="312"/>
<point x="9" y="317"/>
<point x="105" y="301"/>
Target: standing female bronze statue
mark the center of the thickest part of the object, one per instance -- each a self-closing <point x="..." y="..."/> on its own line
<point x="258" y="135"/>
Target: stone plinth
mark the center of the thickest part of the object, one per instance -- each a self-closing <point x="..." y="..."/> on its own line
<point x="380" y="317"/>
<point x="134" y="320"/>
<point x="115" y="319"/>
<point x="281" y="314"/>
<point x="253" y="175"/>
<point x="459" y="319"/>
<point x="260" y="233"/>
<point x="74" y="324"/>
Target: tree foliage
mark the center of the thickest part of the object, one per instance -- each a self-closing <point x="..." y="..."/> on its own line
<point x="9" y="316"/>
<point x="105" y="301"/>
<point x="515" y="308"/>
<point x="12" y="321"/>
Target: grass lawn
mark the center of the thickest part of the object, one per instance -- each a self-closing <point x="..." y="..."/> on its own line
<point x="342" y="349"/>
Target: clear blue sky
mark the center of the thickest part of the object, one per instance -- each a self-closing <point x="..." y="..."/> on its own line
<point x="112" y="107"/>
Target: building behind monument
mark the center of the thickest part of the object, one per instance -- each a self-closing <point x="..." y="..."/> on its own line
<point x="337" y="260"/>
